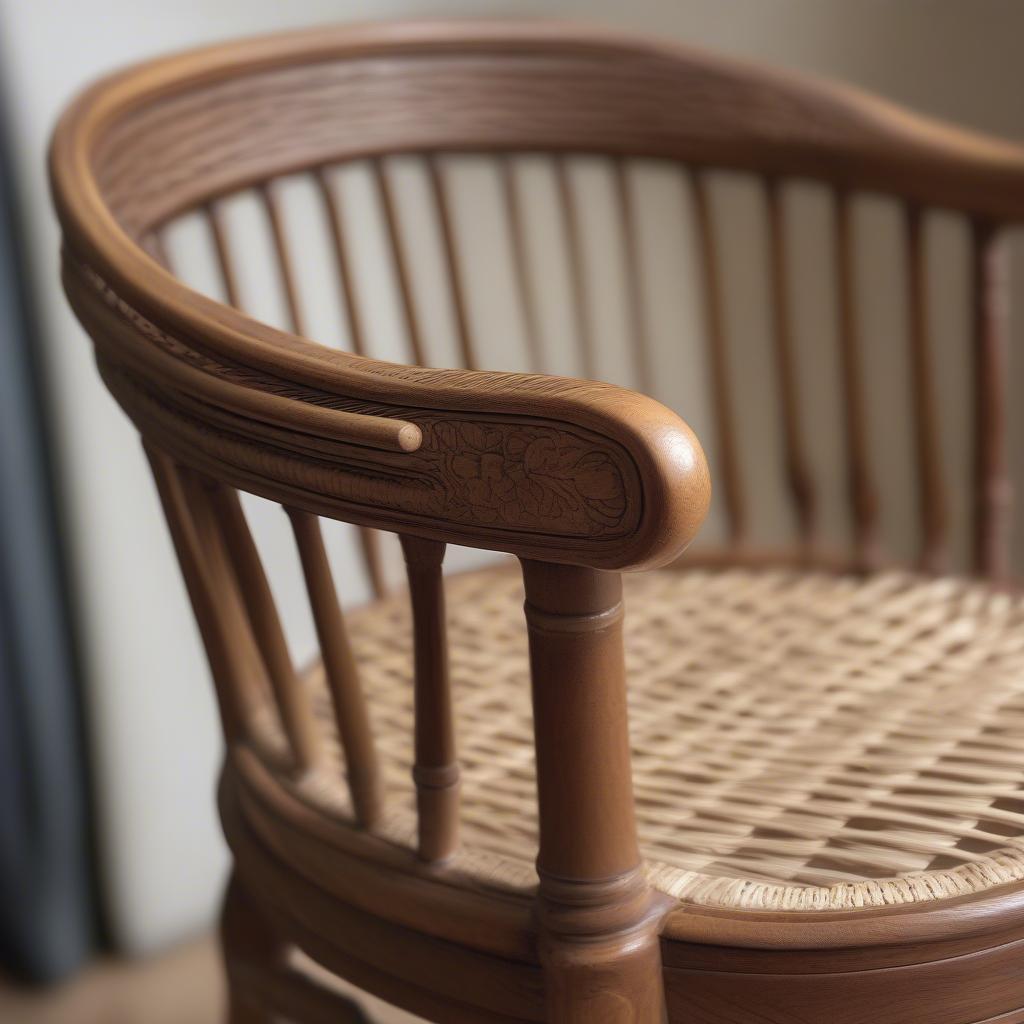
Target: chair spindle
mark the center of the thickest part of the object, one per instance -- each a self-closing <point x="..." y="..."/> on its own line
<point x="282" y="251"/>
<point x="577" y="270"/>
<point x="400" y="260"/>
<point x="992" y="487"/>
<point x="219" y="618"/>
<point x="634" y="279"/>
<point x="801" y="483"/>
<point x="520" y="263"/>
<point x="369" y="539"/>
<point x="292" y="702"/>
<point x="222" y="247"/>
<point x="718" y="357"/>
<point x="335" y="218"/>
<point x="860" y="481"/>
<point x="934" y="515"/>
<point x="436" y="770"/>
<point x="448" y="243"/>
<point x="350" y="713"/>
<point x="153" y="243"/>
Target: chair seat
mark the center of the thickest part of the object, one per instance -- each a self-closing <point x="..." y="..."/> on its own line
<point x="801" y="740"/>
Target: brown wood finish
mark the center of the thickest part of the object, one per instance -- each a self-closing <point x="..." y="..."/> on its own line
<point x="369" y="539"/>
<point x="577" y="271"/>
<point x="454" y="275"/>
<point x="266" y="626"/>
<point x="599" y="919"/>
<point x="860" y="478"/>
<point x="402" y="272"/>
<point x="436" y="770"/>
<point x="992" y="487"/>
<point x="718" y="356"/>
<point x="634" y="280"/>
<point x="520" y="264"/>
<point x="578" y="479"/>
<point x="801" y="484"/>
<point x="339" y="667"/>
<point x="934" y="516"/>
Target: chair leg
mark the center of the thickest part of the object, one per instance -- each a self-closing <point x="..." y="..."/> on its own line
<point x="247" y="941"/>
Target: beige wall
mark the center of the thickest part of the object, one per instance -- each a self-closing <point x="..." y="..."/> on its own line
<point x="154" y="738"/>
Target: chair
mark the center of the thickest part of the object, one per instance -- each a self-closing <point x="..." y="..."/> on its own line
<point x="816" y="810"/>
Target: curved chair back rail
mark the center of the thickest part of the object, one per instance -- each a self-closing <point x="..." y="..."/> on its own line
<point x="575" y="477"/>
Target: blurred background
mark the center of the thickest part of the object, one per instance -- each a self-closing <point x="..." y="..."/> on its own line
<point x="111" y="862"/>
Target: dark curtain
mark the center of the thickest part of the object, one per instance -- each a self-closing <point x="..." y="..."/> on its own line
<point x="45" y="878"/>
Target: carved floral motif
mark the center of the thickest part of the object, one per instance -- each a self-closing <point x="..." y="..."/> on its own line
<point x="525" y="475"/>
<point x="500" y="474"/>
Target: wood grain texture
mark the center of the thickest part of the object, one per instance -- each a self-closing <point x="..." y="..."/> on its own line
<point x="599" y="919"/>
<point x="618" y="454"/>
<point x="577" y="478"/>
<point x="436" y="770"/>
<point x="291" y="701"/>
<point x="340" y="667"/>
<point x="323" y="94"/>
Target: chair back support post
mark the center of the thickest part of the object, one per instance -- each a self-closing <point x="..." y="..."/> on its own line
<point x="599" y="919"/>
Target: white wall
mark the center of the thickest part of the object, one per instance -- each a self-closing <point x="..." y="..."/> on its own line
<point x="152" y="724"/>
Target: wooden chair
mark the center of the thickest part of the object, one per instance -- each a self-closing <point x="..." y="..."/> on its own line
<point x="822" y="814"/>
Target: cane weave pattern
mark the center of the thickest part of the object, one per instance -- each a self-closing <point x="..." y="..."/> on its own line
<point x="801" y="741"/>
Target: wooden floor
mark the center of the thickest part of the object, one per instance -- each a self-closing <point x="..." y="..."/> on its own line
<point x="184" y="985"/>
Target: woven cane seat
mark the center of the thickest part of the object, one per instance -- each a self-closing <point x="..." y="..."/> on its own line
<point x="800" y="740"/>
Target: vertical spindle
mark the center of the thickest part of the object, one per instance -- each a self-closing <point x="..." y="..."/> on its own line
<point x="401" y="263"/>
<point x="448" y="243"/>
<point x="992" y="488"/>
<point x="798" y="473"/>
<point x="369" y="539"/>
<point x="520" y="264"/>
<point x="634" y="279"/>
<point x="860" y="481"/>
<point x="718" y="355"/>
<point x="334" y="216"/>
<point x="577" y="270"/>
<point x="350" y="714"/>
<point x="282" y="251"/>
<point x="222" y="248"/>
<point x="436" y="771"/>
<point x="153" y="243"/>
<point x="216" y="613"/>
<point x="926" y="423"/>
<point x="292" y="702"/>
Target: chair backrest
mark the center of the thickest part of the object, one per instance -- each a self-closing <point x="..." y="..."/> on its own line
<point x="254" y="118"/>
<point x="527" y="185"/>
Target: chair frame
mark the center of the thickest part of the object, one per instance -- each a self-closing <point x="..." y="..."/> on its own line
<point x="224" y="403"/>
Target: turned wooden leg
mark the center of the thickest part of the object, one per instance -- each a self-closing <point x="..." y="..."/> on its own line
<point x="599" y="918"/>
<point x="601" y="953"/>
<point x="248" y="942"/>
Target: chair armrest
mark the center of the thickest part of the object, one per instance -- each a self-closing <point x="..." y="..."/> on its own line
<point x="541" y="467"/>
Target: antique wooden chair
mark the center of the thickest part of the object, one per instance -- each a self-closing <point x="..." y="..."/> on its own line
<point x="817" y="810"/>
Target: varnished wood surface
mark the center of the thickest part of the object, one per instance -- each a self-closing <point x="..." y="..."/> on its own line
<point x="717" y="983"/>
<point x="601" y="478"/>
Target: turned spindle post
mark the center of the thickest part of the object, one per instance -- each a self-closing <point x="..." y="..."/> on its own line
<point x="599" y="919"/>
<point x="436" y="771"/>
